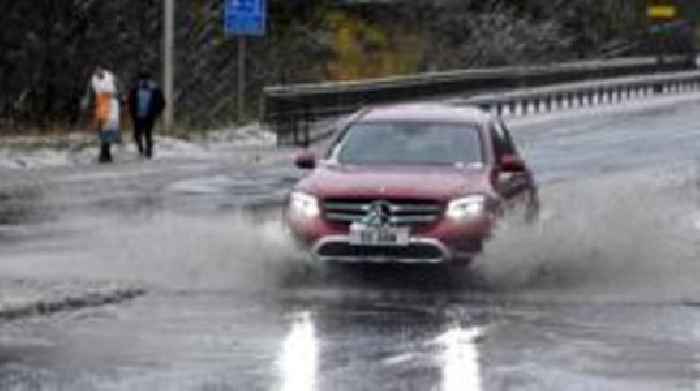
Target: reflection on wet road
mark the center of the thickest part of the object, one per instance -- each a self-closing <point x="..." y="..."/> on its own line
<point x="329" y="341"/>
<point x="601" y="294"/>
<point x="300" y="355"/>
<point x="461" y="363"/>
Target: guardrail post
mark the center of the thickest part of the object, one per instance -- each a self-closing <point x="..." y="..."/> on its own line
<point x="511" y="107"/>
<point x="548" y="103"/>
<point x="284" y="122"/>
<point x="293" y="129"/>
<point x="307" y="125"/>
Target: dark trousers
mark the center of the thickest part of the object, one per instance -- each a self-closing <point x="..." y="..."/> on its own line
<point x="105" y="146"/>
<point x="105" y="153"/>
<point x="143" y="128"/>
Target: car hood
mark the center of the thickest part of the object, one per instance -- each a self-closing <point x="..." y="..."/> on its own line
<point x="420" y="182"/>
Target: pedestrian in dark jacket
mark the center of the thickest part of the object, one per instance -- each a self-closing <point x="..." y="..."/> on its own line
<point x="146" y="103"/>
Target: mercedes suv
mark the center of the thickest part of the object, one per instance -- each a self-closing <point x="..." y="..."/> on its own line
<point x="410" y="183"/>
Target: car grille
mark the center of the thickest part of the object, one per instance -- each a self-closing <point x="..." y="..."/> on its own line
<point x="402" y="212"/>
<point x="416" y="251"/>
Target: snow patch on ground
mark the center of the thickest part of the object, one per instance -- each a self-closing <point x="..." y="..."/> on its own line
<point x="28" y="160"/>
<point x="35" y="152"/>
<point x="169" y="147"/>
<point x="201" y="185"/>
<point x="250" y="135"/>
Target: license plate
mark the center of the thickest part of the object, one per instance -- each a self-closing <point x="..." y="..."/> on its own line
<point x="378" y="236"/>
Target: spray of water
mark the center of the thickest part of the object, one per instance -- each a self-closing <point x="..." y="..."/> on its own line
<point x="168" y="250"/>
<point x="632" y="236"/>
<point x="627" y="236"/>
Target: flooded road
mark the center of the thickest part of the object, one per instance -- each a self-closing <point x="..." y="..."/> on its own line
<point x="602" y="294"/>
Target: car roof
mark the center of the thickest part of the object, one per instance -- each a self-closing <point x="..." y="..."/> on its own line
<point x="425" y="112"/>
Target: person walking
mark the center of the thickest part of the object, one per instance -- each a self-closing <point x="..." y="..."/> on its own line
<point x="146" y="103"/>
<point x="103" y="89"/>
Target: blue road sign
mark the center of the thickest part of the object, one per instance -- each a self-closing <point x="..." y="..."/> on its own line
<point x="245" y="17"/>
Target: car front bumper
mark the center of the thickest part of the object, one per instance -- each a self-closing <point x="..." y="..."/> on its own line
<point x="339" y="249"/>
<point x="441" y="243"/>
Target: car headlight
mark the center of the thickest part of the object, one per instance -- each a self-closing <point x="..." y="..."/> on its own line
<point x="304" y="205"/>
<point x="466" y="208"/>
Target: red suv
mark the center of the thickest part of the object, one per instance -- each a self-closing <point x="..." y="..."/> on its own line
<point x="410" y="183"/>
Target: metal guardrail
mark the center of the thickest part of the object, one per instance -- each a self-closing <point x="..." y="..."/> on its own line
<point x="584" y="94"/>
<point x="291" y="111"/>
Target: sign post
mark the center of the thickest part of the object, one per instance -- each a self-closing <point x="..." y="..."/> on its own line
<point x="244" y="18"/>
<point x="168" y="72"/>
<point x="240" y="95"/>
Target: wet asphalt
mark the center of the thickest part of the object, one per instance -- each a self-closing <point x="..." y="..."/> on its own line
<point x="601" y="295"/>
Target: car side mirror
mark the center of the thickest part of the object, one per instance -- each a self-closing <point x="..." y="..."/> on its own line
<point x="305" y="160"/>
<point x="512" y="163"/>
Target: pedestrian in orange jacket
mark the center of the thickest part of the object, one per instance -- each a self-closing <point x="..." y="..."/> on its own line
<point x="103" y="89"/>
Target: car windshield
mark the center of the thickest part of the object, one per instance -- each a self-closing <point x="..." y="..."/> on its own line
<point x="410" y="143"/>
